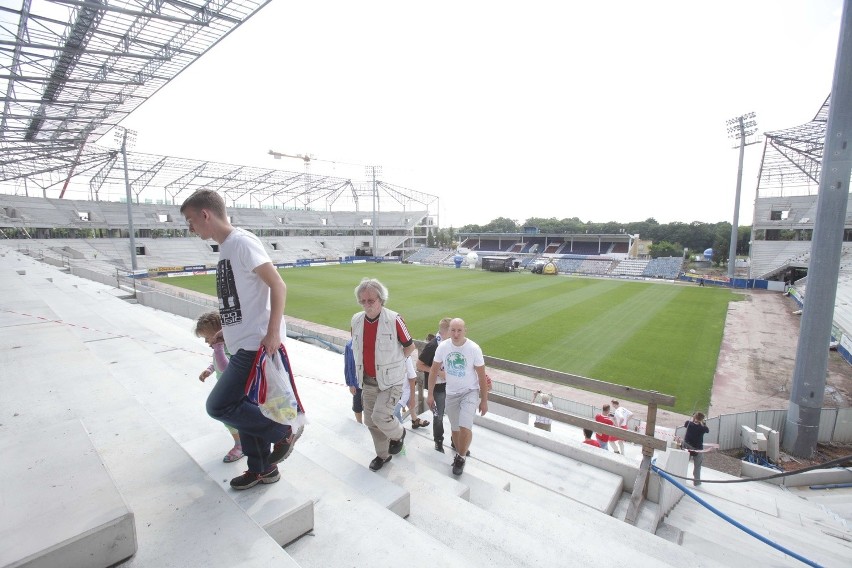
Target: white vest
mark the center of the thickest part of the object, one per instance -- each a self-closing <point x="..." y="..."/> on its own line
<point x="390" y="359"/>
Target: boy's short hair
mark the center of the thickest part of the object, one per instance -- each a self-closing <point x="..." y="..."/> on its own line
<point x="699" y="416"/>
<point x="587" y="433"/>
<point x="206" y="199"/>
<point x="605" y="408"/>
<point x="208" y="321"/>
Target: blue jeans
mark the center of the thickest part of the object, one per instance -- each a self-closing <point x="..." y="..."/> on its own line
<point x="227" y="403"/>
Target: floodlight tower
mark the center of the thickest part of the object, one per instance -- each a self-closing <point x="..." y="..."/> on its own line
<point x="374" y="171"/>
<point x="127" y="138"/>
<point x="739" y="129"/>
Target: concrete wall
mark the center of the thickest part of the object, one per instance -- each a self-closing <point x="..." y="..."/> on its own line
<point x="814" y="477"/>
<point x="178" y="306"/>
<point x="612" y="463"/>
<point x="661" y="491"/>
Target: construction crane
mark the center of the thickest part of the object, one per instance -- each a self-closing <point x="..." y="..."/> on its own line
<point x="305" y="158"/>
<point x="278" y="155"/>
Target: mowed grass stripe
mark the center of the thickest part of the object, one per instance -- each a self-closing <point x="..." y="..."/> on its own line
<point x="653" y="336"/>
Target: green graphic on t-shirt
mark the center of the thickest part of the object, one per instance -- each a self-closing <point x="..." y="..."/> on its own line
<point x="455" y="364"/>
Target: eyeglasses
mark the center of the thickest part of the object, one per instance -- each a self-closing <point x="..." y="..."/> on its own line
<point x="368" y="302"/>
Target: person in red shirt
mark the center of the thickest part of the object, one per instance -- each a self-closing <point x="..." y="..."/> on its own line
<point x="603" y="418"/>
<point x="588" y="434"/>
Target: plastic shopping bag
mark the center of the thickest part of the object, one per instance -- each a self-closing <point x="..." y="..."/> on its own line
<point x="271" y="386"/>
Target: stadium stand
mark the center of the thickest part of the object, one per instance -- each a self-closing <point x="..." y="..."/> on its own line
<point x="630" y="267"/>
<point x="526" y="497"/>
<point x="664" y="267"/>
<point x="583" y="247"/>
<point x="421" y="254"/>
<point x="568" y="265"/>
<point x="595" y="266"/>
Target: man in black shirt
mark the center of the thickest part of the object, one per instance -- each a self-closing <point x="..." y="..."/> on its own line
<point x="424" y="364"/>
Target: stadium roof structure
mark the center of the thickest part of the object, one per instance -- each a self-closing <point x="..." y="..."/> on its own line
<point x="72" y="70"/>
<point x="792" y="158"/>
<point x="248" y="185"/>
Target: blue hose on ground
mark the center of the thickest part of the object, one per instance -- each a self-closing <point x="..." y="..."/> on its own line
<point x="737" y="524"/>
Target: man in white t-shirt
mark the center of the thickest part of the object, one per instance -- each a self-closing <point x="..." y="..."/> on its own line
<point x="620" y="416"/>
<point x="543" y="422"/>
<point x="464" y="367"/>
<point x="251" y="306"/>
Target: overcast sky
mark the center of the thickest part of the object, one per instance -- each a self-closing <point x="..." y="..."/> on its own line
<point x="607" y="111"/>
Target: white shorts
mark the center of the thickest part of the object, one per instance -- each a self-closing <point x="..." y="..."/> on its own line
<point x="460" y="408"/>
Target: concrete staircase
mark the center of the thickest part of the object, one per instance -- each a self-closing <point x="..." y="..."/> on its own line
<point x="129" y="373"/>
<point x="49" y="324"/>
<point x="788" y="519"/>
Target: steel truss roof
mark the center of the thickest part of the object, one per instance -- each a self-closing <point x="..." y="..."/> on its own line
<point x="176" y="178"/>
<point x="70" y="70"/>
<point x="792" y="158"/>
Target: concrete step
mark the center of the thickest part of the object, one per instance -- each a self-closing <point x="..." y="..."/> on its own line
<point x="49" y="376"/>
<point x="565" y="521"/>
<point x="694" y="519"/>
<point x="344" y="519"/>
<point x="284" y="512"/>
<point x="574" y="479"/>
<point x="732" y="555"/>
<point x="354" y="441"/>
<point x="330" y="397"/>
<point x="487" y="490"/>
<point x="477" y="536"/>
<point x="355" y="475"/>
<point x="647" y="518"/>
<point x="76" y="520"/>
<point x="174" y="371"/>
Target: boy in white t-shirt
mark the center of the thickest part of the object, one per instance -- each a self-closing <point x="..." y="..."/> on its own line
<point x="464" y="366"/>
<point x="251" y="307"/>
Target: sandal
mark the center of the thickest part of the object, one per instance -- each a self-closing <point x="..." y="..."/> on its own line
<point x="419" y="423"/>
<point x="235" y="454"/>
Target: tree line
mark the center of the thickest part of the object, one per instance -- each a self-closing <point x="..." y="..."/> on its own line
<point x="669" y="239"/>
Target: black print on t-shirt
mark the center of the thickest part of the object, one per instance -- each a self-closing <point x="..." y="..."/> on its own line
<point x="226" y="289"/>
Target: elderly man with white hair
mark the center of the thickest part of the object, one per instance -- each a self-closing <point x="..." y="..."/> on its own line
<point x="380" y="345"/>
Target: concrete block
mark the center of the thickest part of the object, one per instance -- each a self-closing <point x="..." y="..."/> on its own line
<point x="284" y="513"/>
<point x="54" y="515"/>
<point x="661" y="491"/>
<point x="773" y="442"/>
<point x="819" y="477"/>
<point x="509" y="412"/>
<point x="753" y="470"/>
<point x="749" y="438"/>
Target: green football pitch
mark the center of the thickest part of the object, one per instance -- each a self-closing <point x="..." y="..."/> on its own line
<point x="653" y="336"/>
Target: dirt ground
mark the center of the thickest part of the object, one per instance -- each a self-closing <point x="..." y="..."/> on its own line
<point x="755" y="370"/>
<point x="758" y="354"/>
